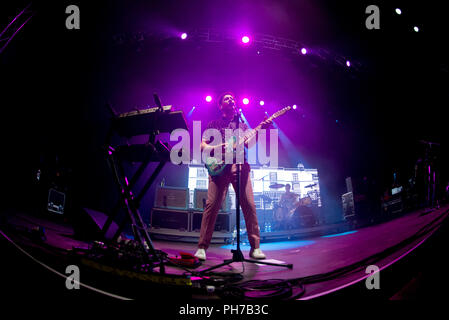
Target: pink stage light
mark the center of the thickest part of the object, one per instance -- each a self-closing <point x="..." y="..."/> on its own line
<point x="303" y="50"/>
<point x="208" y="98"/>
<point x="261" y="102"/>
<point x="245" y="39"/>
<point x="245" y="100"/>
<point x="348" y="63"/>
<point x="294" y="107"/>
<point x="184" y="36"/>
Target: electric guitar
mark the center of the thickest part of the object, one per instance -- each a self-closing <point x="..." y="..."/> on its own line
<point x="216" y="167"/>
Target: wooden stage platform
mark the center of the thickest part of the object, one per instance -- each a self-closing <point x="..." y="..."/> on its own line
<point x="315" y="259"/>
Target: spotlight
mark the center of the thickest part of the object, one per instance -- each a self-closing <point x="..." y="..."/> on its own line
<point x="303" y="50"/>
<point x="240" y="110"/>
<point x="348" y="63"/>
<point x="208" y="98"/>
<point x="294" y="107"/>
<point x="261" y="102"/>
<point x="245" y="39"/>
<point x="416" y="28"/>
<point x="245" y="100"/>
<point x="398" y="11"/>
<point x="190" y="112"/>
<point x="184" y="36"/>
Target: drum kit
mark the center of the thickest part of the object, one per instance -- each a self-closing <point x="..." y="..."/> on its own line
<point x="291" y="216"/>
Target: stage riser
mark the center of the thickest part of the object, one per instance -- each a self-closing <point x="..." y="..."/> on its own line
<point x="226" y="237"/>
<point x="188" y="221"/>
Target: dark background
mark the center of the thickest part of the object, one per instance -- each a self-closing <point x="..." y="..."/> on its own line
<point x="56" y="82"/>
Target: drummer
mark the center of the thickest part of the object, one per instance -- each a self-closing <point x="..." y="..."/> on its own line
<point x="288" y="199"/>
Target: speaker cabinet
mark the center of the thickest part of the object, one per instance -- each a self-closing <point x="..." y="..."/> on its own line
<point x="172" y="198"/>
<point x="348" y="205"/>
<point x="170" y="219"/>
<point x="200" y="198"/>
<point x="222" y="224"/>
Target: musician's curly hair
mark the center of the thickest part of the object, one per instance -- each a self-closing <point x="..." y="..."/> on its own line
<point x="220" y="99"/>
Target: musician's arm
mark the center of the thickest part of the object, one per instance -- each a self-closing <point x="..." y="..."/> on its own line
<point x="207" y="147"/>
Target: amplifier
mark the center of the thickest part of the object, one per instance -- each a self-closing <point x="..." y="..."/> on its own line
<point x="56" y="201"/>
<point x="393" y="205"/>
<point x="172" y="198"/>
<point x="348" y="205"/>
<point x="200" y="198"/>
<point x="222" y="224"/>
<point x="170" y="219"/>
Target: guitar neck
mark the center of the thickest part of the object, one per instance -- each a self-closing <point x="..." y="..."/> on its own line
<point x="253" y="132"/>
<point x="250" y="134"/>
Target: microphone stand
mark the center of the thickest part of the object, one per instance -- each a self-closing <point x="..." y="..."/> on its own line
<point x="237" y="255"/>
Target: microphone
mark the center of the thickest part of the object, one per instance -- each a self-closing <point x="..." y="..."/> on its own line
<point x="237" y="117"/>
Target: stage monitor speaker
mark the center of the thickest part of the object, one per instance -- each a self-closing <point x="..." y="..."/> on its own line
<point x="222" y="224"/>
<point x="172" y="198"/>
<point x="200" y="198"/>
<point x="89" y="223"/>
<point x="170" y="219"/>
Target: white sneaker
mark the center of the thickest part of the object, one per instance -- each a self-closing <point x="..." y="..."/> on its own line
<point x="256" y="254"/>
<point x="201" y="254"/>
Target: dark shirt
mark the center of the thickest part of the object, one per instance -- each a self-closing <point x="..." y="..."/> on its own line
<point x="222" y="124"/>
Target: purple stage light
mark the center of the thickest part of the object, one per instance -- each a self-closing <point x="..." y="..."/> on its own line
<point x="348" y="63"/>
<point x="184" y="36"/>
<point x="240" y="110"/>
<point x="261" y="102"/>
<point x="303" y="50"/>
<point x="208" y="98"/>
<point x="245" y="39"/>
<point x="294" y="107"/>
<point x="245" y="100"/>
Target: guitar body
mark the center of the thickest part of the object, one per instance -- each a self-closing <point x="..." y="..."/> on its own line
<point x="215" y="167"/>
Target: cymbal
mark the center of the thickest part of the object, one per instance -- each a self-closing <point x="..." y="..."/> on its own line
<point x="277" y="186"/>
<point x="310" y="185"/>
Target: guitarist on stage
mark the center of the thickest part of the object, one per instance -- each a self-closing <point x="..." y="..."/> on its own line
<point x="218" y="185"/>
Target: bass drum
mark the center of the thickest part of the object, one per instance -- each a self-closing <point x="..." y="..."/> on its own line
<point x="303" y="217"/>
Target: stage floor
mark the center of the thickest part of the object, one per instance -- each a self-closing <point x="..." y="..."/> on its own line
<point x="388" y="242"/>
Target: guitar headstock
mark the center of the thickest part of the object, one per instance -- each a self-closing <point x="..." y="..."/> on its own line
<point x="280" y="112"/>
